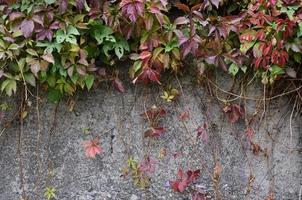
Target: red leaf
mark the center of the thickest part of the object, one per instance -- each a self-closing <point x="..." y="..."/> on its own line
<point x="234" y="112"/>
<point x="183" y="7"/>
<point x="202" y="133"/>
<point x="148" y="165"/>
<point x="249" y="133"/>
<point x="155" y="132"/>
<point x="256" y="149"/>
<point x="92" y="148"/>
<point x="132" y="9"/>
<point x="197" y="195"/>
<point x="183" y="181"/>
<point x="144" y="55"/>
<point x="184" y="115"/>
<point x="192" y="175"/>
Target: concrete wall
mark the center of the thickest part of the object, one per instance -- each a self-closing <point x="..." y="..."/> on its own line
<point x="116" y="118"/>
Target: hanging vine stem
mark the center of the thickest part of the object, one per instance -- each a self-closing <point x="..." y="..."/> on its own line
<point x="2" y="131"/>
<point x="264" y="104"/>
<point x="51" y="131"/>
<point x="251" y="98"/>
<point x="195" y="150"/>
<point x="38" y="142"/>
<point x="20" y="136"/>
<point x="290" y="124"/>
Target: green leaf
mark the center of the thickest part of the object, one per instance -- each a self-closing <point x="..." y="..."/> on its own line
<point x="290" y="11"/>
<point x="171" y="45"/>
<point x="276" y="70"/>
<point x="71" y="39"/>
<point x="119" y="51"/>
<point x="124" y="44"/>
<point x="106" y="49"/>
<point x="60" y="36"/>
<point x="50" y="193"/>
<point x="243" y="68"/>
<point x="87" y="8"/>
<point x="101" y="33"/>
<point x="244" y="47"/>
<point x="21" y="63"/>
<point x="10" y="86"/>
<point x="89" y="79"/>
<point x="2" y="44"/>
<point x="300" y="30"/>
<point x="110" y="38"/>
<point x="30" y="78"/>
<point x="50" y="46"/>
<point x="13" y="47"/>
<point x="51" y="80"/>
<point x="233" y="69"/>
<point x="54" y="95"/>
<point x="32" y="52"/>
<point x="297" y="57"/>
<point x="156" y="52"/>
<point x="137" y="65"/>
<point x="49" y="1"/>
<point x="71" y="30"/>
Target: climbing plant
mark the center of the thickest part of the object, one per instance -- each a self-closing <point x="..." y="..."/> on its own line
<point x="67" y="45"/>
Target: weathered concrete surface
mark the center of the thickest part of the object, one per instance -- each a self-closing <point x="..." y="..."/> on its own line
<point x="60" y="160"/>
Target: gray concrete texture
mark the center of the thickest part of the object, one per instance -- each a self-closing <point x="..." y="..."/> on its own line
<point x="52" y="152"/>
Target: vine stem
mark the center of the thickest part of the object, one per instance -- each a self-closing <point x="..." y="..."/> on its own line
<point x="251" y="98"/>
<point x="2" y="131"/>
<point x="20" y="136"/>
<point x="38" y="141"/>
<point x="51" y="131"/>
<point x="290" y="125"/>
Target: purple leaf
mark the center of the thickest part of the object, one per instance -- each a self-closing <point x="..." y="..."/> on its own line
<point x="55" y="25"/>
<point x="9" y="39"/>
<point x="27" y="27"/>
<point x="215" y="2"/>
<point x="15" y="15"/>
<point x="211" y="60"/>
<point x="80" y="4"/>
<point x="63" y="6"/>
<point x="181" y="37"/>
<point x="35" y="67"/>
<point x="43" y="34"/>
<point x="38" y="19"/>
<point x="49" y="58"/>
<point x="118" y="85"/>
<point x="181" y="20"/>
